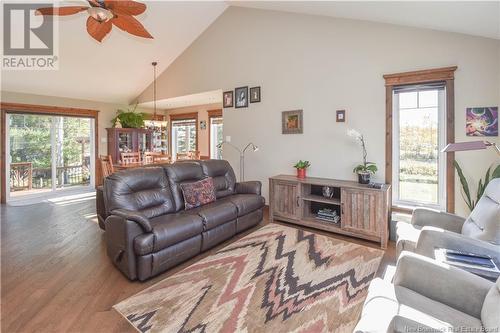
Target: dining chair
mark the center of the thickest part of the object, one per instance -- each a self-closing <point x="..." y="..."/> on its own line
<point x="183" y="156"/>
<point x="162" y="158"/>
<point x="106" y="165"/>
<point x="134" y="157"/>
<point x="194" y="155"/>
<point x="149" y="156"/>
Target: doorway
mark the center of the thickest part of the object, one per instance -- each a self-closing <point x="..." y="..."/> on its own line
<point x="47" y="154"/>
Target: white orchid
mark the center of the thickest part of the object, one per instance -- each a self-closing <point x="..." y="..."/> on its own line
<point x="356" y="135"/>
<point x="366" y="167"/>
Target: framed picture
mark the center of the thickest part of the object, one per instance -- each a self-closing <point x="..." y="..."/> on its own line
<point x="292" y="122"/>
<point x="227" y="99"/>
<point x="340" y="116"/>
<point x="203" y="124"/>
<point x="254" y="94"/>
<point x="481" y="121"/>
<point x="241" y="97"/>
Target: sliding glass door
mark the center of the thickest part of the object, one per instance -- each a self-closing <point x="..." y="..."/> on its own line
<point x="48" y="153"/>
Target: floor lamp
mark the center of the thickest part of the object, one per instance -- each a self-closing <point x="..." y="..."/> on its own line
<point x="242" y="155"/>
<point x="471" y="145"/>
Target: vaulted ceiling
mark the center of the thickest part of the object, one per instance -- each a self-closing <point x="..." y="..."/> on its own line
<point x="119" y="68"/>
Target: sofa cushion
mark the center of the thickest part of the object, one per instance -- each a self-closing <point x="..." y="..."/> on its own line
<point x="407" y="236"/>
<point x="385" y="303"/>
<point x="483" y="221"/>
<point x="216" y="213"/>
<point x="168" y="230"/>
<point x="179" y="173"/>
<point x="245" y="203"/>
<point x="145" y="190"/>
<point x="198" y="193"/>
<point x="490" y="312"/>
<point x="222" y="174"/>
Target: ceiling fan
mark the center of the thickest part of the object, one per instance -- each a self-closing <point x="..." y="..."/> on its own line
<point x="104" y="14"/>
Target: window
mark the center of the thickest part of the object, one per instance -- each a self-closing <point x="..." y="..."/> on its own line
<point x="216" y="137"/>
<point x="184" y="136"/>
<point x="418" y="166"/>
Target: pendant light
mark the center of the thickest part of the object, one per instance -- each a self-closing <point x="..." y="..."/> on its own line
<point x="154" y="63"/>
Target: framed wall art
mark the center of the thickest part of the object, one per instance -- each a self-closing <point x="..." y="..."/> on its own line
<point x="241" y="97"/>
<point x="292" y="122"/>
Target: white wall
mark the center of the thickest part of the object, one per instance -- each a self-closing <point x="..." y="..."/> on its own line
<point x="322" y="64"/>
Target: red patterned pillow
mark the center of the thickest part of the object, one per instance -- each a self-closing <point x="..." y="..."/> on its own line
<point x="198" y="193"/>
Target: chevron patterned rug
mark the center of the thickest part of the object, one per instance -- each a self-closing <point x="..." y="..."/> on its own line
<point x="276" y="279"/>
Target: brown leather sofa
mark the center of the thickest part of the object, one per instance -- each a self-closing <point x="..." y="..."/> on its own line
<point x="148" y="229"/>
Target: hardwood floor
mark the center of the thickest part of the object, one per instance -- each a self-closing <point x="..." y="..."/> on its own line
<point x="56" y="276"/>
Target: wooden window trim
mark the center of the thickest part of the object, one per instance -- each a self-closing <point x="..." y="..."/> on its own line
<point x="45" y="110"/>
<point x="212" y="114"/>
<point x="444" y="74"/>
<point x="182" y="116"/>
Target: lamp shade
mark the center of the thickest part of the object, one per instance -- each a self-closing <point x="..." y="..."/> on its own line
<point x="461" y="146"/>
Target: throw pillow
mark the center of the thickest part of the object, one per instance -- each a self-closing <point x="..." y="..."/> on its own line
<point x="198" y="193"/>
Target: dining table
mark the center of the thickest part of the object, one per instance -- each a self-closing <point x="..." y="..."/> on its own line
<point x="125" y="166"/>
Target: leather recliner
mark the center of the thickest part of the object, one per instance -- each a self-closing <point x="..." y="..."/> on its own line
<point x="148" y="230"/>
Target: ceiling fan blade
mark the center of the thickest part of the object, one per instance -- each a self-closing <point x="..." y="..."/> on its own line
<point x="61" y="11"/>
<point x="127" y="7"/>
<point x="130" y="25"/>
<point x="93" y="3"/>
<point x="98" y="30"/>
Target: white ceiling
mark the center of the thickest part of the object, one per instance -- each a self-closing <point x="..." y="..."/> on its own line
<point x="208" y="97"/>
<point x="119" y="68"/>
<point x="477" y="18"/>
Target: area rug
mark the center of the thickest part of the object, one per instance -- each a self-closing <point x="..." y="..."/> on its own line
<point x="276" y="279"/>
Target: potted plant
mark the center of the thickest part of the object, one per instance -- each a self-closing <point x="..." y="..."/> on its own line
<point x="366" y="169"/>
<point x="301" y="167"/>
<point x="129" y="118"/>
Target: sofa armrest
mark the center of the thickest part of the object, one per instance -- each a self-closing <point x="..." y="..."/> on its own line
<point x="135" y="216"/>
<point x="426" y="217"/>
<point x="442" y="283"/>
<point x="430" y="239"/>
<point x="250" y="187"/>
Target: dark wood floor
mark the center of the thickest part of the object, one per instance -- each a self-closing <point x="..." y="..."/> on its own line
<point x="55" y="274"/>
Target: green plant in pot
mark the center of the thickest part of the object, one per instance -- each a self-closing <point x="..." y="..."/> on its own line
<point x="301" y="167"/>
<point x="366" y="169"/>
<point x="129" y="118"/>
<point x="466" y="191"/>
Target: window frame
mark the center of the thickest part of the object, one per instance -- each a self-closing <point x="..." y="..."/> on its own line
<point x="441" y="195"/>
<point x="446" y="74"/>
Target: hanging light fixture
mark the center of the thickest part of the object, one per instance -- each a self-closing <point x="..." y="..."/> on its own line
<point x="154" y="63"/>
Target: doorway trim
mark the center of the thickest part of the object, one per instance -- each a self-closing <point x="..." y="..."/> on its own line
<point x="182" y="116"/>
<point x="46" y="110"/>
<point x="443" y="74"/>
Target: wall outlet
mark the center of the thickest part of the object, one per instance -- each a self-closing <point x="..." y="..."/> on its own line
<point x="228" y="138"/>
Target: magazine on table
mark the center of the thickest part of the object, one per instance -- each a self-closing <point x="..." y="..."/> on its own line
<point x="467" y="260"/>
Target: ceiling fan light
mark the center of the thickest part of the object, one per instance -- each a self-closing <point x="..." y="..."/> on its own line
<point x="100" y="14"/>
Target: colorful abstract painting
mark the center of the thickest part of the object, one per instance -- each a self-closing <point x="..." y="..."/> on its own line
<point x="482" y="121"/>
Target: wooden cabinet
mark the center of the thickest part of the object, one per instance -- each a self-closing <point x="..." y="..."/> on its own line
<point x="286" y="200"/>
<point x="128" y="140"/>
<point x="360" y="211"/>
